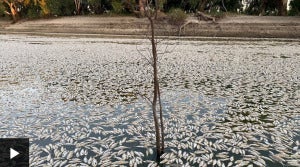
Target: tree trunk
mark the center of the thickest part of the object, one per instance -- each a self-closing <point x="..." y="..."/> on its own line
<point x="142" y="7"/>
<point x="282" y="7"/>
<point x="202" y="16"/>
<point x="155" y="84"/>
<point x="13" y="12"/>
<point x="162" y="128"/>
<point x="159" y="128"/>
<point x="156" y="8"/>
<point x="77" y="6"/>
<point x="223" y="4"/>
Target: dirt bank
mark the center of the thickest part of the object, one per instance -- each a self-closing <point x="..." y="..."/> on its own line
<point x="237" y="26"/>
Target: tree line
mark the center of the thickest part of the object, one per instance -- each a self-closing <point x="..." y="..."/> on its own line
<point x="17" y="9"/>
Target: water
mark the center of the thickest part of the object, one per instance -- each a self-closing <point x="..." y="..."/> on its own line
<point x="82" y="101"/>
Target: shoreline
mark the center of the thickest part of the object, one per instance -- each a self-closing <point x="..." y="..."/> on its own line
<point x="260" y="27"/>
<point x="181" y="38"/>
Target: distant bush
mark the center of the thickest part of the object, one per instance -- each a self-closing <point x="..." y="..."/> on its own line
<point x="55" y="7"/>
<point x="61" y="8"/>
<point x="176" y="16"/>
<point x="117" y="6"/>
<point x="33" y="12"/>
<point x="295" y="8"/>
<point x="2" y="9"/>
<point x="217" y="13"/>
<point x="94" y="6"/>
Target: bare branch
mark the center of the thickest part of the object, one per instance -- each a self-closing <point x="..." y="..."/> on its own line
<point x="7" y="13"/>
<point x="144" y="56"/>
<point x="145" y="97"/>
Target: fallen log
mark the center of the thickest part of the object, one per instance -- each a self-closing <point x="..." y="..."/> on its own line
<point x="200" y="16"/>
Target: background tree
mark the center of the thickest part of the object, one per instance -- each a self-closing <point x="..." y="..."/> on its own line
<point x="295" y="7"/>
<point x="272" y="5"/>
<point x="12" y="7"/>
<point x="95" y="6"/>
<point x="267" y="7"/>
<point x="253" y="7"/>
<point x="232" y="5"/>
<point x="77" y="6"/>
<point x="202" y="5"/>
<point x="2" y="9"/>
<point x="44" y="7"/>
<point x="61" y="7"/>
<point x="35" y="8"/>
<point x="158" y="4"/>
<point x="142" y="4"/>
<point x="117" y="6"/>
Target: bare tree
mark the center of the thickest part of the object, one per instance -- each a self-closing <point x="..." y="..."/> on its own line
<point x="156" y="101"/>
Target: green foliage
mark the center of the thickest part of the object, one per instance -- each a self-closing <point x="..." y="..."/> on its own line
<point x="95" y="6"/>
<point x="68" y="7"/>
<point x="93" y="2"/>
<point x="30" y="9"/>
<point x="295" y="8"/>
<point x="61" y="7"/>
<point x="170" y="4"/>
<point x="38" y="8"/>
<point x="233" y="5"/>
<point x="2" y="9"/>
<point x="117" y="6"/>
<point x="33" y="12"/>
<point x="193" y="4"/>
<point x="176" y="16"/>
<point x="162" y="3"/>
<point x="54" y="7"/>
<point x="253" y="8"/>
<point x="214" y="12"/>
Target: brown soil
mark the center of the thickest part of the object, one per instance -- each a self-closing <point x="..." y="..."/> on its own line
<point x="230" y="26"/>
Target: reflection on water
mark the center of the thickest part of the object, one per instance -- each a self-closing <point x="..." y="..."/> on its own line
<point x="238" y="107"/>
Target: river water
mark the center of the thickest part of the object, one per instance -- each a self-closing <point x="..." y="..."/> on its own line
<point x="83" y="101"/>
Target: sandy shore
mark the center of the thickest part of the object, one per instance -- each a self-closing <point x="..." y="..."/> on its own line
<point x="230" y="26"/>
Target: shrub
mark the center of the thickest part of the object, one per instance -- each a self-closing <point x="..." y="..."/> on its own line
<point x="2" y="9"/>
<point x="217" y="13"/>
<point x="177" y="16"/>
<point x="54" y="7"/>
<point x="33" y="12"/>
<point x="117" y="6"/>
<point x="95" y="6"/>
<point x="61" y="8"/>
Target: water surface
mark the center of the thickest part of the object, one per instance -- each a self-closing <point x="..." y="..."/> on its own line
<point x="82" y="102"/>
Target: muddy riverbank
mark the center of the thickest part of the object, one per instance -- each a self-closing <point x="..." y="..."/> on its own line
<point x="97" y="26"/>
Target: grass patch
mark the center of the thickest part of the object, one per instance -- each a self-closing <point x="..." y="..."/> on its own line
<point x="176" y="16"/>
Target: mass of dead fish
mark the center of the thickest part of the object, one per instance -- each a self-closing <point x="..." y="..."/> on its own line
<point x="83" y="101"/>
